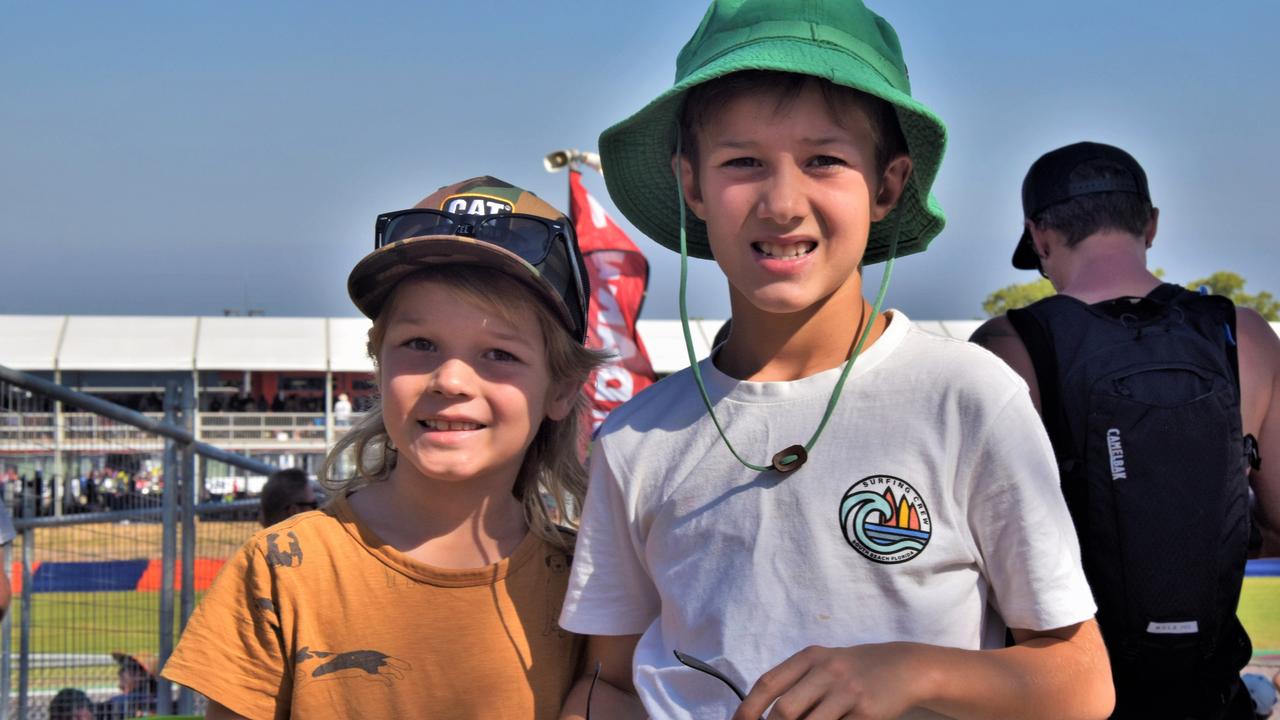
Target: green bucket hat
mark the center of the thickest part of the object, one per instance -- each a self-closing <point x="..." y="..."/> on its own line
<point x="838" y="40"/>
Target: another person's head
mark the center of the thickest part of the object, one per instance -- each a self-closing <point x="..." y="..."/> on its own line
<point x="133" y="674"/>
<point x="71" y="704"/>
<point x="287" y="493"/>
<point x="478" y="299"/>
<point x="1075" y="192"/>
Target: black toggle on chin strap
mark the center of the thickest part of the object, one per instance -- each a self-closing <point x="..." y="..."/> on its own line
<point x="790" y="459"/>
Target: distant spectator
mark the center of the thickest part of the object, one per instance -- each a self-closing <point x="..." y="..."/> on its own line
<point x="287" y="493"/>
<point x="262" y="403"/>
<point x="71" y="704"/>
<point x="7" y="534"/>
<point x="342" y="411"/>
<point x="138" y="689"/>
<point x="91" y="498"/>
<point x="277" y="405"/>
<point x="215" y="405"/>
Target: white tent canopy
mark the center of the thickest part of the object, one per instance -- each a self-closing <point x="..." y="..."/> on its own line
<point x="164" y="343"/>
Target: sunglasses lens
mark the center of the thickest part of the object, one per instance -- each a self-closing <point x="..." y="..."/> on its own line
<point x="416" y="225"/>
<point x="526" y="237"/>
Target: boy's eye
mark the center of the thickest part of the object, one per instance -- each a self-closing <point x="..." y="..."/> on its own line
<point x="741" y="162"/>
<point x="420" y="344"/>
<point x="500" y="356"/>
<point x="827" y="161"/>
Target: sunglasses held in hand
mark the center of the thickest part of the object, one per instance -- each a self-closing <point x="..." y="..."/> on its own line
<point x="686" y="660"/>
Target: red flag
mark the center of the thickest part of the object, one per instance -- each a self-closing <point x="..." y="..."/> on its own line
<point x="619" y="276"/>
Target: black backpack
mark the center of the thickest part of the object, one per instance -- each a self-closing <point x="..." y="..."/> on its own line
<point x="1141" y="398"/>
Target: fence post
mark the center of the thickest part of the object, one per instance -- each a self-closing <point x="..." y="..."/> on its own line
<point x="6" y="639"/>
<point x="59" y="461"/>
<point x="191" y="482"/>
<point x="24" y="641"/>
<point x="168" y="544"/>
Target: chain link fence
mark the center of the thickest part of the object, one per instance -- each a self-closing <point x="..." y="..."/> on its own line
<point x="116" y="543"/>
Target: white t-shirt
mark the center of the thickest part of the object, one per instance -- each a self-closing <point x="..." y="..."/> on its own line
<point x="929" y="511"/>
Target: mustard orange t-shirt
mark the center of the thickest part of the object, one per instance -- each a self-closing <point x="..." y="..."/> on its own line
<point x="316" y="617"/>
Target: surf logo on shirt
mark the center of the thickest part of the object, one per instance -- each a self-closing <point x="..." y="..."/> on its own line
<point x="885" y="519"/>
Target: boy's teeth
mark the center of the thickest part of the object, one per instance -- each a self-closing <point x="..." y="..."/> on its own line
<point x="789" y="250"/>
<point x="446" y="425"/>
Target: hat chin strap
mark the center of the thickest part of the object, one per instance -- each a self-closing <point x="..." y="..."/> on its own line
<point x="790" y="458"/>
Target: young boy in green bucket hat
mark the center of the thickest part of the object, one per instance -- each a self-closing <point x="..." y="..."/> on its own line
<point x="721" y="541"/>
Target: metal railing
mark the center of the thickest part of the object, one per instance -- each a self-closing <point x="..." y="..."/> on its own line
<point x="213" y="427"/>
<point x="93" y="587"/>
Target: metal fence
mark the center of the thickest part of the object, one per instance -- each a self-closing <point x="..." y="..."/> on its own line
<point x="117" y="540"/>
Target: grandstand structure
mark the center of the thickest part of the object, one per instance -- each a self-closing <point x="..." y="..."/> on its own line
<point x="264" y="387"/>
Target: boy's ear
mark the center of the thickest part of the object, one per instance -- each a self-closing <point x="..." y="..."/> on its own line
<point x="689" y="181"/>
<point x="560" y="400"/>
<point x="892" y="183"/>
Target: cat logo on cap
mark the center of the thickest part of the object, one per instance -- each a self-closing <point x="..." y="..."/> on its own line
<point x="475" y="204"/>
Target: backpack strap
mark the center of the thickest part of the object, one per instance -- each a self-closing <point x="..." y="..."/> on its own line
<point x="1035" y="336"/>
<point x="1166" y="293"/>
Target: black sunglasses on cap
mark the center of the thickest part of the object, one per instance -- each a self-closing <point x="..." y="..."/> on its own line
<point x="532" y="238"/>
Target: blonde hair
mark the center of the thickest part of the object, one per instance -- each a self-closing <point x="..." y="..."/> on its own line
<point x="551" y="463"/>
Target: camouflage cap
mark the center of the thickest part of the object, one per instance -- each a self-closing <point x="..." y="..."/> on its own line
<point x="554" y="279"/>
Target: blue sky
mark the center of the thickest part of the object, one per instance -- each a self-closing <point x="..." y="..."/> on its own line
<point x="176" y="157"/>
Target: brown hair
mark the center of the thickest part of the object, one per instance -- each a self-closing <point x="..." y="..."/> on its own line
<point x="706" y="99"/>
<point x="551" y="464"/>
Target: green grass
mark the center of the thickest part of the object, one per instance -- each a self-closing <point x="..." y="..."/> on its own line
<point x="105" y="622"/>
<point x="1260" y="613"/>
<point x="97" y="623"/>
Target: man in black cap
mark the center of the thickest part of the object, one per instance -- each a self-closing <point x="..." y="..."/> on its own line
<point x="1160" y="403"/>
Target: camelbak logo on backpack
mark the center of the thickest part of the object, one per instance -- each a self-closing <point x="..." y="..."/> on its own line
<point x="1117" y="454"/>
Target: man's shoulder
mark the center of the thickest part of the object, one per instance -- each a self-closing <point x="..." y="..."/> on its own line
<point x="1000" y="338"/>
<point x="1259" y="348"/>
<point x="1253" y="327"/>
<point x="995" y="330"/>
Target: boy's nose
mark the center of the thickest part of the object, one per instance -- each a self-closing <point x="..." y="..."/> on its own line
<point x="782" y="198"/>
<point x="452" y="377"/>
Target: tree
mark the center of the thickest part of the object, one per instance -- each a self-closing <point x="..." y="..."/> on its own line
<point x="1231" y="286"/>
<point x="1018" y="295"/>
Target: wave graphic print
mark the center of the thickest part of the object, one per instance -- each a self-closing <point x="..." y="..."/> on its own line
<point x="884" y="526"/>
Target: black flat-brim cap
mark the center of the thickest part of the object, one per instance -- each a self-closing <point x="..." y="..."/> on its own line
<point x="1048" y="183"/>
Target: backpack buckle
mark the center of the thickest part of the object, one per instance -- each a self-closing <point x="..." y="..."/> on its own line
<point x="1252" y="455"/>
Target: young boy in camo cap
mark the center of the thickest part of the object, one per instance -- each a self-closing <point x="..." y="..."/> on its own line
<point x="928" y="519"/>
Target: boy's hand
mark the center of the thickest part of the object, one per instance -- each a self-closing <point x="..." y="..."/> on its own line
<point x="818" y="683"/>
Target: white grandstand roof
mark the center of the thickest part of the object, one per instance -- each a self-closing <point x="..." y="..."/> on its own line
<point x="127" y="343"/>
<point x="262" y="343"/>
<point x="30" y="342"/>
<point x="156" y="343"/>
<point x="347" y="338"/>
